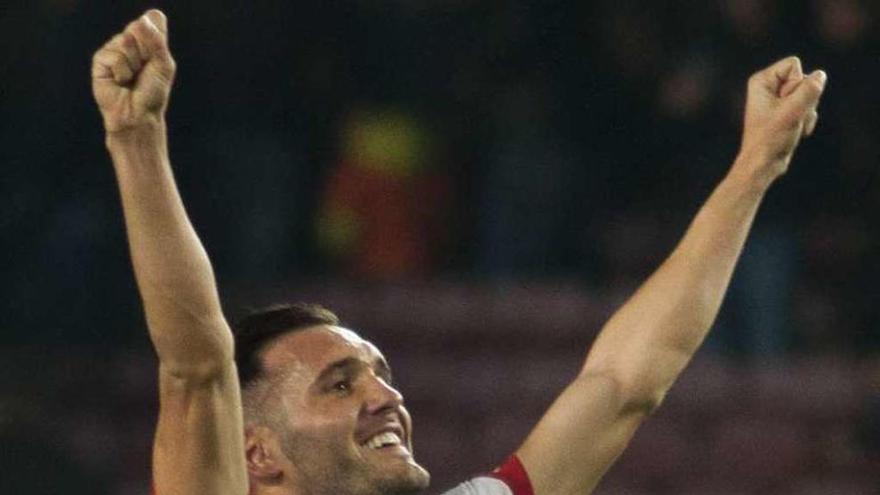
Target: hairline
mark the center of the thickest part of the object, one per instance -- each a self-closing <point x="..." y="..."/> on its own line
<point x="264" y="381"/>
<point x="260" y="351"/>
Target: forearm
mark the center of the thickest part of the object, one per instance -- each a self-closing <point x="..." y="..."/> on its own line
<point x="647" y="343"/>
<point x="173" y="273"/>
<point x="651" y="338"/>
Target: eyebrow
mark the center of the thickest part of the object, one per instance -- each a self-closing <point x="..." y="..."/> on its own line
<point x="350" y="364"/>
<point x="384" y="369"/>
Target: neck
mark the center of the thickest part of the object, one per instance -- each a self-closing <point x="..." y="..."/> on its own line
<point x="286" y="488"/>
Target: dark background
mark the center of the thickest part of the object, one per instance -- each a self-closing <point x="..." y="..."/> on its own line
<point x="537" y="159"/>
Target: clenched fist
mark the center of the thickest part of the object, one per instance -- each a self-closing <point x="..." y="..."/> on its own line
<point x="132" y="74"/>
<point x="780" y="110"/>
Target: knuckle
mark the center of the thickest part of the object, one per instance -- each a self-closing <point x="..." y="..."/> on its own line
<point x="128" y="40"/>
<point x="168" y="69"/>
<point x="132" y="31"/>
<point x="754" y="79"/>
<point x="136" y="29"/>
<point x="117" y="58"/>
<point x="144" y="22"/>
<point x="107" y="45"/>
<point x="814" y="86"/>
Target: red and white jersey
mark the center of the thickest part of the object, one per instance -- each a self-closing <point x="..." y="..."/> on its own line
<point x="509" y="479"/>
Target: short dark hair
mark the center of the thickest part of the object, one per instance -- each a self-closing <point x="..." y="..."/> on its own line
<point x="258" y="328"/>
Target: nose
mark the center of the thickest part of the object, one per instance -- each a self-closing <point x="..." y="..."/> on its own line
<point x="382" y="396"/>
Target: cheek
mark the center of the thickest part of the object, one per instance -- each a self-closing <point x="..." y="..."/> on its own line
<point x="407" y="419"/>
<point x="324" y="419"/>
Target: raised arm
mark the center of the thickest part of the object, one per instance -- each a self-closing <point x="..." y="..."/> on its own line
<point x="198" y="446"/>
<point x="646" y="344"/>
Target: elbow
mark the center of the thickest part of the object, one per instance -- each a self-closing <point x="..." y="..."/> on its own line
<point x="197" y="361"/>
<point x="643" y="402"/>
<point x="189" y="346"/>
<point x="634" y="395"/>
<point x="640" y="397"/>
<point x="197" y="373"/>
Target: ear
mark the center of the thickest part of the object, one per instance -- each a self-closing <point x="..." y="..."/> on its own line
<point x="263" y="455"/>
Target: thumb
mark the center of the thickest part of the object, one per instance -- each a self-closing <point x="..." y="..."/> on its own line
<point x="806" y="96"/>
<point x="151" y="41"/>
<point x="158" y="18"/>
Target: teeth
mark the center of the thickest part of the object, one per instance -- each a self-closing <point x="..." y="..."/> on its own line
<point x="383" y="439"/>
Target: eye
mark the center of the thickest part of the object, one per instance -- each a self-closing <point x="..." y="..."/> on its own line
<point x="388" y="379"/>
<point x="342" y="386"/>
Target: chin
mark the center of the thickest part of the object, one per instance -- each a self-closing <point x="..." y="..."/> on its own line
<point x="409" y="479"/>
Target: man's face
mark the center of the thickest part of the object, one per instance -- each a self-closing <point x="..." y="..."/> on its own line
<point x="343" y="427"/>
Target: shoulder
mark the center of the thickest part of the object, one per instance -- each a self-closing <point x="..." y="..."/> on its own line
<point x="508" y="479"/>
<point x="482" y="485"/>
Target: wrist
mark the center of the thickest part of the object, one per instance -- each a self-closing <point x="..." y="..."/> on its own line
<point x="148" y="133"/>
<point x="755" y="171"/>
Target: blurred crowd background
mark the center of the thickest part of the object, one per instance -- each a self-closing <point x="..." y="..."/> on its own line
<point x="476" y="185"/>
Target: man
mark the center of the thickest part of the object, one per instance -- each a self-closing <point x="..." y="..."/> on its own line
<point x="317" y="412"/>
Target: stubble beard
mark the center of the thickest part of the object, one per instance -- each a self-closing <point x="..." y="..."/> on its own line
<point x="327" y="468"/>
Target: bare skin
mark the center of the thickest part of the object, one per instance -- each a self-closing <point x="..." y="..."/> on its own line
<point x="198" y="445"/>
<point x="316" y="423"/>
<point x="333" y="392"/>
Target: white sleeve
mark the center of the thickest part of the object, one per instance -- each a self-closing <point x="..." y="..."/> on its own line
<point x="481" y="486"/>
<point x="510" y="478"/>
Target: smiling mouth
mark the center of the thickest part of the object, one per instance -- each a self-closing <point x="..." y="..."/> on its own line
<point x="384" y="440"/>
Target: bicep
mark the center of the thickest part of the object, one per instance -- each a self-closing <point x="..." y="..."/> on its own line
<point x="199" y="443"/>
<point x="580" y="436"/>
